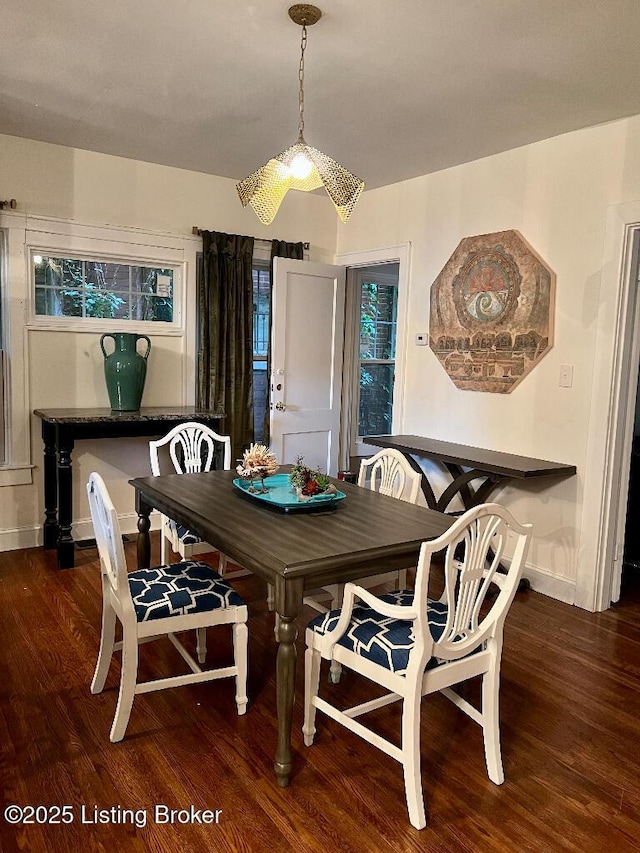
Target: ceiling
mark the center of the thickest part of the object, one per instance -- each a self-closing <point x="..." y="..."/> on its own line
<point x="392" y="89"/>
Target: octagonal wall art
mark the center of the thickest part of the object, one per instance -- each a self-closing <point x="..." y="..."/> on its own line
<point x="491" y="318"/>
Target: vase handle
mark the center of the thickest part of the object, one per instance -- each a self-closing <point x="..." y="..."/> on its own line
<point x="145" y="338"/>
<point x="106" y="335"/>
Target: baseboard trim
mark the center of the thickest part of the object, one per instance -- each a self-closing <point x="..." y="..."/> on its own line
<point x="14" y="539"/>
<point x="555" y="586"/>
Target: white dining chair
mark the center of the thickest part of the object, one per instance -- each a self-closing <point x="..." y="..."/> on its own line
<point x="389" y="473"/>
<point x="414" y="645"/>
<point x="151" y="603"/>
<point x="192" y="449"/>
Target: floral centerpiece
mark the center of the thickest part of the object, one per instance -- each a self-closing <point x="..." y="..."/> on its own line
<point x="309" y="482"/>
<point x="257" y="463"/>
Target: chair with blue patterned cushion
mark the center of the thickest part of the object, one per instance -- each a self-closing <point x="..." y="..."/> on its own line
<point x="192" y="448"/>
<point x="151" y="603"/>
<point x="413" y="645"/>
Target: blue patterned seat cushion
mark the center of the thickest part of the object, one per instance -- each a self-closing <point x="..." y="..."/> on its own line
<point x="184" y="534"/>
<point x="381" y="639"/>
<point x="180" y="588"/>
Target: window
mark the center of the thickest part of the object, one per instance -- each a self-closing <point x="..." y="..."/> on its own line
<point x="261" y="332"/>
<point x="377" y="298"/>
<point x="75" y="287"/>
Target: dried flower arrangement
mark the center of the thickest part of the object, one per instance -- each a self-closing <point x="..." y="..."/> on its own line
<point x="257" y="463"/>
<point x="309" y="481"/>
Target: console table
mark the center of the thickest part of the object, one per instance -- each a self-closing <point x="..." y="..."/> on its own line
<point x="466" y="464"/>
<point x="62" y="427"/>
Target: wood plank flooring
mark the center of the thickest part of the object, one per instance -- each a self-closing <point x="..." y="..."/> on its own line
<point x="570" y="733"/>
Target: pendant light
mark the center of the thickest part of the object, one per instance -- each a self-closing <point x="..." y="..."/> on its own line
<point x="300" y="167"/>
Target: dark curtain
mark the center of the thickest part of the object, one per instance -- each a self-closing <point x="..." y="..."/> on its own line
<point x="225" y="339"/>
<point x="279" y="249"/>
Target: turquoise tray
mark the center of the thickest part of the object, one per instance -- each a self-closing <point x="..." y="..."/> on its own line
<point x="280" y="496"/>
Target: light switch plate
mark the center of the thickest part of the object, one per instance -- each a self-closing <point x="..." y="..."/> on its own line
<point x="566" y="375"/>
<point x="422" y="339"/>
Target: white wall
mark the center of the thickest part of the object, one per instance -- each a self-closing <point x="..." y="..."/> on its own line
<point x="557" y="194"/>
<point x="65" y="369"/>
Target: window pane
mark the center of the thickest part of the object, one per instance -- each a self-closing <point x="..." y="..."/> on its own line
<point x="261" y="311"/>
<point x="70" y="287"/>
<point x="376" y="399"/>
<point x="378" y="312"/>
<point x="261" y="330"/>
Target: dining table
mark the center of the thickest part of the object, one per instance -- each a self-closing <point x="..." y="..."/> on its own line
<point x="295" y="550"/>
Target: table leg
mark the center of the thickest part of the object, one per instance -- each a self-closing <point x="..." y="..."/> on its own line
<point x="144" y="525"/>
<point x="66" y="555"/>
<point x="50" y="529"/>
<point x="288" y="607"/>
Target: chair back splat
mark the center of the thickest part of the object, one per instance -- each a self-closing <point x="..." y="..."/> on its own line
<point x="413" y="644"/>
<point x="389" y="473"/>
<point x="192" y="449"/>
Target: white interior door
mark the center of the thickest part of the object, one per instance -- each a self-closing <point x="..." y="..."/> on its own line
<point x="307" y="342"/>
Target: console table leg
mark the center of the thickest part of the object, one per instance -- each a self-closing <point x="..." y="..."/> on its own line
<point x="66" y="556"/>
<point x="50" y="528"/>
<point x="144" y="541"/>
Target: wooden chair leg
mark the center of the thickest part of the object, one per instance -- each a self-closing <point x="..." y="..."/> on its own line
<point x="411" y="760"/>
<point x="222" y="564"/>
<point x="240" y="638"/>
<point x="105" y="653"/>
<point x="164" y="554"/>
<point x="201" y="644"/>
<point x="491" y="724"/>
<point x="128" y="675"/>
<point x="312" y="663"/>
<point x="402" y="579"/>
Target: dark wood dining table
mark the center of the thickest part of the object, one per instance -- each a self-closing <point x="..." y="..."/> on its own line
<point x="295" y="551"/>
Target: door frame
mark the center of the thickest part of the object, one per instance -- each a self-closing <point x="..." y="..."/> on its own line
<point x="399" y="254"/>
<point x="616" y="362"/>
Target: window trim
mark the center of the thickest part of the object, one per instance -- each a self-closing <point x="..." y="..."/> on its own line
<point x="77" y="324"/>
<point x="17" y="468"/>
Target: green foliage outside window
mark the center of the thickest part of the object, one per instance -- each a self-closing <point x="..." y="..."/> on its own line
<point x="377" y="353"/>
<point x="69" y="287"/>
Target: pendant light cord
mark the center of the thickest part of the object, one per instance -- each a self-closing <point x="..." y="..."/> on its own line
<point x="303" y="45"/>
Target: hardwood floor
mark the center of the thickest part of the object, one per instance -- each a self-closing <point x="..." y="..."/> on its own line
<point x="570" y="735"/>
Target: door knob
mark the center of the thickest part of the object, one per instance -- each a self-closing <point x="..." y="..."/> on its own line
<point x="281" y="407"/>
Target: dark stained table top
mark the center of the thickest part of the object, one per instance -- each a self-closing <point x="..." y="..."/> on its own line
<point x="491" y="461"/>
<point x="105" y="415"/>
<point x="365" y="531"/>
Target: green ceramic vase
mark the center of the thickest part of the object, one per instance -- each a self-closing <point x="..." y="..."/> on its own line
<point x="125" y="370"/>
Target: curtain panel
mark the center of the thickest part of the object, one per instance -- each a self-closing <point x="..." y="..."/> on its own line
<point x="225" y="334"/>
<point x="279" y="249"/>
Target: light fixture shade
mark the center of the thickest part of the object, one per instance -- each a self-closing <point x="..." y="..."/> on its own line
<point x="267" y="186"/>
